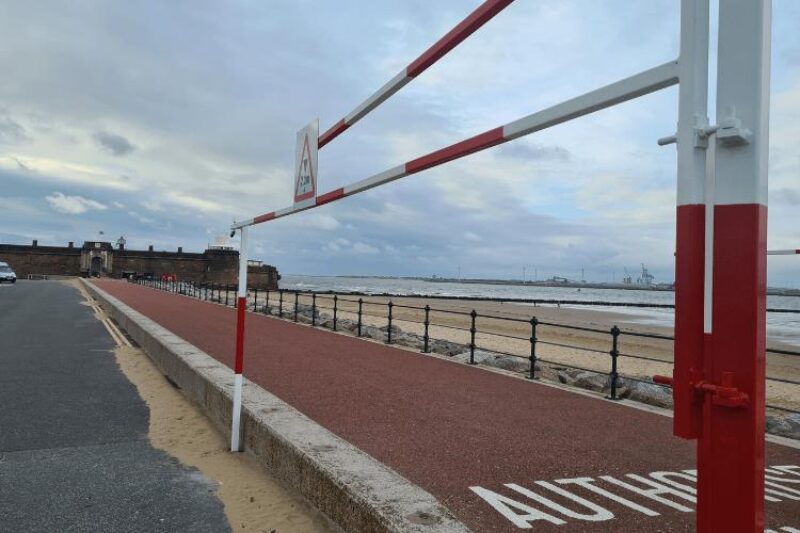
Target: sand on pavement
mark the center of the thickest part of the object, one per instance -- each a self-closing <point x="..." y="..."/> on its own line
<point x="254" y="500"/>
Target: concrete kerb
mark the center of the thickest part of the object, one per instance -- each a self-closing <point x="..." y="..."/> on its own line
<point x="353" y="489"/>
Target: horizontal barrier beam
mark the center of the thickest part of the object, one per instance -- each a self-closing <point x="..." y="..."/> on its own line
<point x="783" y="252"/>
<point x="640" y="84"/>
<point x="442" y="47"/>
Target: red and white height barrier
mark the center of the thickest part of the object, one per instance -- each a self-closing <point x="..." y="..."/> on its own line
<point x="238" y="367"/>
<point x="637" y="85"/>
<point x="720" y="323"/>
<point x="720" y="279"/>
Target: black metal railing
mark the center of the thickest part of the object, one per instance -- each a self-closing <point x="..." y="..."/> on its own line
<point x="371" y="311"/>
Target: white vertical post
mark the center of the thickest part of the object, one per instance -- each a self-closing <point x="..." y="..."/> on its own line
<point x="241" y="306"/>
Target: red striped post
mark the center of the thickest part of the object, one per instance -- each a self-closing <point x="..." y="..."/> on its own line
<point x="238" y="367"/>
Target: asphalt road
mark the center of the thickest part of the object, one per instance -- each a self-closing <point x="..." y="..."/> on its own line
<point x="74" y="453"/>
<point x="502" y="453"/>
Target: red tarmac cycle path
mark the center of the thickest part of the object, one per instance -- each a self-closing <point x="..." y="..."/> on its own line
<point x="448" y="427"/>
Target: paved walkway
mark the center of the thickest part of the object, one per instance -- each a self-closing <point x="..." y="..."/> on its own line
<point x="74" y="453"/>
<point x="465" y="434"/>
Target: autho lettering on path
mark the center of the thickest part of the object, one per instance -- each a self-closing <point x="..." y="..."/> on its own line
<point x="586" y="499"/>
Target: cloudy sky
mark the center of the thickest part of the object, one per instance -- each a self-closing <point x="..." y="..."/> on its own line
<point x="164" y="121"/>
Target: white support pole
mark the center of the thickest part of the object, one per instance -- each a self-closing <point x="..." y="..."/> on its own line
<point x="241" y="306"/>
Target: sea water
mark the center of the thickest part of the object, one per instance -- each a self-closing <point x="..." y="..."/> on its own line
<point x="783" y="327"/>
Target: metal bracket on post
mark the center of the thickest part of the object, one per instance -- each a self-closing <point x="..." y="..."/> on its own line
<point x="730" y="131"/>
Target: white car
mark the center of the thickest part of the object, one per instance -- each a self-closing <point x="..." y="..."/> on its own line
<point x="6" y="274"/>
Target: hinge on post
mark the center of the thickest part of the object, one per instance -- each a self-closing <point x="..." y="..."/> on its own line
<point x="729" y="131"/>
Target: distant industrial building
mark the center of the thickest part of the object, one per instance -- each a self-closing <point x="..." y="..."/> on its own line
<point x="217" y="264"/>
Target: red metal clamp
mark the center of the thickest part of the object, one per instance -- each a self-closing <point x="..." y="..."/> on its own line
<point x="725" y="394"/>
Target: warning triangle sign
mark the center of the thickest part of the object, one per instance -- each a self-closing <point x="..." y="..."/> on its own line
<point x="305" y="181"/>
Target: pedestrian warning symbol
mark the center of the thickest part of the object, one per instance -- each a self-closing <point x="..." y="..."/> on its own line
<point x="305" y="174"/>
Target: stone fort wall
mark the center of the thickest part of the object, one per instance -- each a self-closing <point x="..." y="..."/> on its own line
<point x="100" y="258"/>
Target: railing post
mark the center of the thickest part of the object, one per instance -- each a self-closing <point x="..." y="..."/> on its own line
<point x="614" y="354"/>
<point x="255" y="299"/>
<point x="335" y="305"/>
<point x="313" y="308"/>
<point x="474" y="315"/>
<point x="534" y="323"/>
<point x="280" y="303"/>
<point x="227" y="290"/>
<point x="425" y="337"/>
<point x="296" y="298"/>
<point x="266" y="304"/>
<point x="389" y="329"/>
<point x="360" y="305"/>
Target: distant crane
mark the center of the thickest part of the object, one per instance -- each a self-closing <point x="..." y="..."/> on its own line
<point x="627" y="279"/>
<point x="645" y="278"/>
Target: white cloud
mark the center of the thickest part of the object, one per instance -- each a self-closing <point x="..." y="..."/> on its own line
<point x="73" y="205"/>
<point x="319" y="221"/>
<point x="364" y="249"/>
<point x="193" y="202"/>
<point x="46" y="169"/>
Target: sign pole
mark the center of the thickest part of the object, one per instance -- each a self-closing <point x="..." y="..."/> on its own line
<point x="241" y="306"/>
